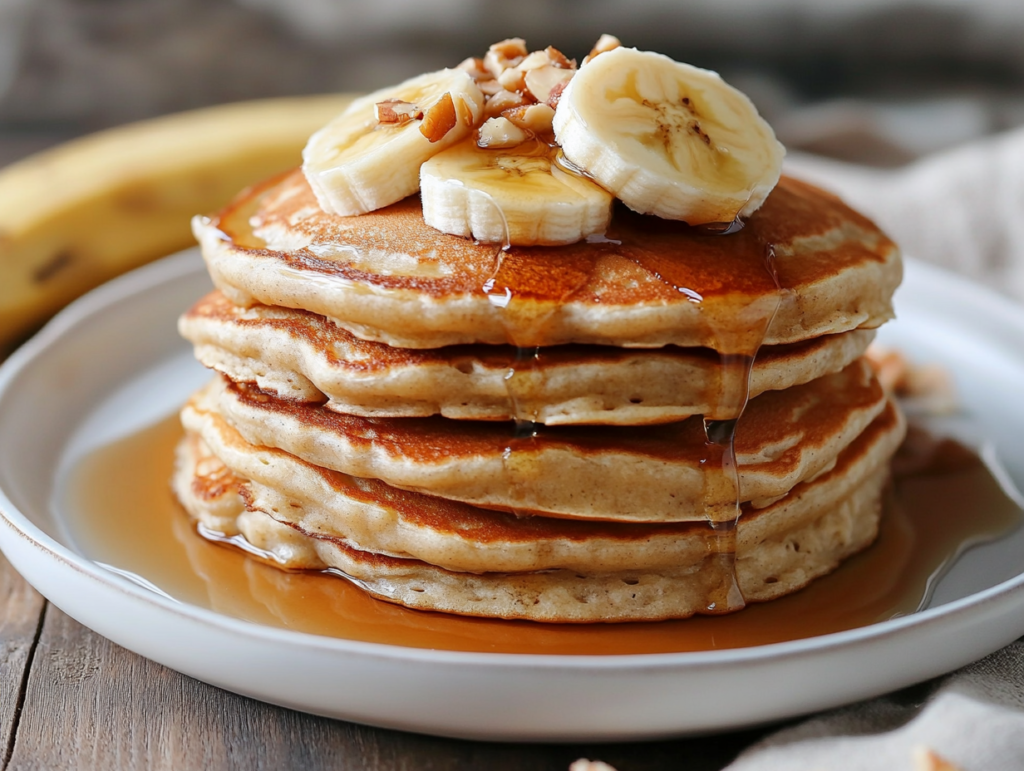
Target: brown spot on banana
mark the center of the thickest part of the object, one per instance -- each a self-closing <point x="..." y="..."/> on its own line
<point x="60" y="262"/>
<point x="696" y="129"/>
<point x="139" y="198"/>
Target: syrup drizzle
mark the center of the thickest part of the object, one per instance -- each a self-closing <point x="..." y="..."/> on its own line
<point x="736" y="353"/>
<point x="527" y="328"/>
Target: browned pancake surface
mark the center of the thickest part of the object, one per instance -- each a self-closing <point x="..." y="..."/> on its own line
<point x="647" y="282"/>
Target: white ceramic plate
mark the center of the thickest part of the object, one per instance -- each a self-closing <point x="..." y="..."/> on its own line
<point x="113" y="362"/>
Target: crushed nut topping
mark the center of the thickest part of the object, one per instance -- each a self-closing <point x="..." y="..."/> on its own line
<point x="522" y="87"/>
<point x="474" y="67"/>
<point x="510" y="76"/>
<point x="604" y="44"/>
<point x="507" y="53"/>
<point x="499" y="132"/>
<point x="503" y="100"/>
<point x="439" y="119"/>
<point x="513" y="79"/>
<point x="395" y="112"/>
<point x="926" y="759"/>
<point x="555" y="94"/>
<point x="542" y="80"/>
<point x="535" y="118"/>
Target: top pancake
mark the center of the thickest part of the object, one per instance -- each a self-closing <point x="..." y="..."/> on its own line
<point x="389" y="277"/>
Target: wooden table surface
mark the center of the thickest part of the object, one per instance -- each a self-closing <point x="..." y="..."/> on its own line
<point x="71" y="699"/>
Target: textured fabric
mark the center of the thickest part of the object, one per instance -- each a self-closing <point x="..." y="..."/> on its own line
<point x="973" y="718"/>
<point x="962" y="209"/>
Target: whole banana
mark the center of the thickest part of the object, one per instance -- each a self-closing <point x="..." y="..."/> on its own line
<point x="81" y="213"/>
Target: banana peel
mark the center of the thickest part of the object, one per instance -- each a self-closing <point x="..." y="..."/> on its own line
<point x="86" y="211"/>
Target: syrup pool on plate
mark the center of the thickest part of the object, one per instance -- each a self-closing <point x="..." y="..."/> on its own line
<point x="125" y="516"/>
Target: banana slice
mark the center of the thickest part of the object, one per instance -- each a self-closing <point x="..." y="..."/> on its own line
<point x="667" y="138"/>
<point x="369" y="156"/>
<point x="513" y="195"/>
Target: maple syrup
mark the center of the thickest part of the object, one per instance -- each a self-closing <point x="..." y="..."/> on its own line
<point x="126" y="517"/>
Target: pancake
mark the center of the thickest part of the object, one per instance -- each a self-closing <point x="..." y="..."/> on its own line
<point x="655" y="473"/>
<point x="369" y="515"/>
<point x="804" y="265"/>
<point x="768" y="564"/>
<point x="301" y="356"/>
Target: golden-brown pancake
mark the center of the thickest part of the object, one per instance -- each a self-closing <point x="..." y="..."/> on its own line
<point x="301" y="356"/>
<point x="653" y="473"/>
<point x="804" y="261"/>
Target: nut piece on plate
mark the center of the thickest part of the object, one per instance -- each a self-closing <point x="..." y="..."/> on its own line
<point x="590" y="765"/>
<point x="926" y="759"/>
<point x="923" y="388"/>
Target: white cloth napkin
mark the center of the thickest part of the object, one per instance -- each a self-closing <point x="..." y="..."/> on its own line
<point x="964" y="210"/>
<point x="973" y="718"/>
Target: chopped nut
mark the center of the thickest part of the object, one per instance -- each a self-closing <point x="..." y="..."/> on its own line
<point x="503" y="100"/>
<point x="498" y="133"/>
<point x="555" y="94"/>
<point x="513" y="79"/>
<point x="439" y="119"/>
<point x="490" y="87"/>
<point x="604" y="44"/>
<point x="542" y="80"/>
<point x="590" y="765"/>
<point x="396" y="112"/>
<point x="559" y="59"/>
<point x="534" y="60"/>
<point x="549" y="57"/>
<point x="890" y="366"/>
<point x="474" y="67"/>
<point x="926" y="759"/>
<point x="507" y="53"/>
<point x="535" y="118"/>
<point x="925" y="388"/>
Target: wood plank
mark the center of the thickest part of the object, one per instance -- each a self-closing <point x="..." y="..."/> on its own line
<point x="21" y="608"/>
<point x="91" y="704"/>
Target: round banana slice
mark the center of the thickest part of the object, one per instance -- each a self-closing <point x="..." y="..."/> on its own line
<point x="369" y="156"/>
<point x="667" y="138"/>
<point x="513" y="195"/>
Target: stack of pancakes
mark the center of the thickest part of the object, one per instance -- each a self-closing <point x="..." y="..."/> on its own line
<point x="542" y="433"/>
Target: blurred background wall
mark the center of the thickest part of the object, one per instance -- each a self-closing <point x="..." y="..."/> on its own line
<point x="872" y="81"/>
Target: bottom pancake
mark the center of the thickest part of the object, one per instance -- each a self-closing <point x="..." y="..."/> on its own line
<point x="780" y="548"/>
